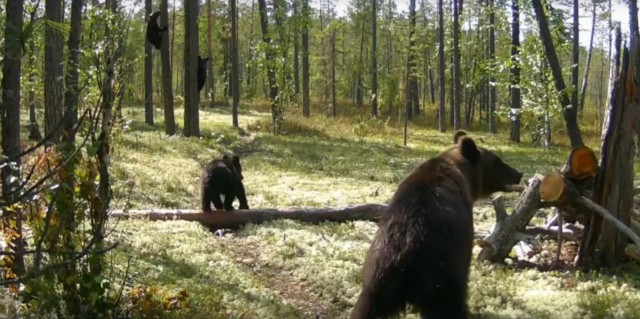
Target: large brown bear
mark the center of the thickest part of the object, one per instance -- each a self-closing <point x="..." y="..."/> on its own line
<point x="222" y="177"/>
<point x="422" y="251"/>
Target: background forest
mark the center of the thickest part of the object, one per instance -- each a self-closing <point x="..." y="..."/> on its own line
<point x="329" y="104"/>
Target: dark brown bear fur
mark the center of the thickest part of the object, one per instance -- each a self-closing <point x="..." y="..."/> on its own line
<point x="422" y="251"/>
<point x="202" y="72"/>
<point x="223" y="177"/>
<point x="154" y="31"/>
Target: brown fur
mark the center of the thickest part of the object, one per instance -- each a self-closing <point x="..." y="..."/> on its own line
<point x="422" y="251"/>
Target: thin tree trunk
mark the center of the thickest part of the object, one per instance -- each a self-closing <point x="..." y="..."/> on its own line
<point x="167" y="88"/>
<point x="191" y="96"/>
<point x="374" y="60"/>
<point x="441" y="68"/>
<point x="306" y="101"/>
<point x="296" y="49"/>
<point x="516" y="101"/>
<point x="575" y="57"/>
<point x="570" y="114"/>
<point x="585" y="78"/>
<point x="211" y="84"/>
<point x="271" y="74"/>
<point x="457" y="73"/>
<point x="359" y="85"/>
<point x="53" y="70"/>
<point x="148" y="73"/>
<point x="412" y="80"/>
<point x="235" y="70"/>
<point x="333" y="73"/>
<point x="10" y="112"/>
<point x="492" y="79"/>
<point x="34" y="127"/>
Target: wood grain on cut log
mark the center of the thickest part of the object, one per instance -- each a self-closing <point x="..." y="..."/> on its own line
<point x="237" y="218"/>
<point x="582" y="164"/>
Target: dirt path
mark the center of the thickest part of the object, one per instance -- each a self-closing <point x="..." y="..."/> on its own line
<point x="281" y="282"/>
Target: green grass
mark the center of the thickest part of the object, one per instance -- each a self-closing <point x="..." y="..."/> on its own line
<point x="287" y="269"/>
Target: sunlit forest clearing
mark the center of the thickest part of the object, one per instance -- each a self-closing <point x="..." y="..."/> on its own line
<point x="427" y="159"/>
<point x="288" y="269"/>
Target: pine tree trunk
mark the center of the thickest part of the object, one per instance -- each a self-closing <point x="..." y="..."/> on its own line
<point x="271" y="74"/>
<point x="167" y="78"/>
<point x="306" y="101"/>
<point x="296" y="48"/>
<point x="441" y="68"/>
<point x="333" y="73"/>
<point x="516" y="100"/>
<point x="491" y="114"/>
<point x="148" y="72"/>
<point x="191" y="96"/>
<point x="53" y="50"/>
<point x="235" y="71"/>
<point x="457" y="73"/>
<point x="211" y="83"/>
<point x="374" y="60"/>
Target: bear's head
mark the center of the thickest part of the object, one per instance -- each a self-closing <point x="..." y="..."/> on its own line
<point x="202" y="63"/>
<point x="234" y="165"/>
<point x="154" y="16"/>
<point x="489" y="172"/>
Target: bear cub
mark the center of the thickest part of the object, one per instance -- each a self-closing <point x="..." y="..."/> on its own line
<point x="421" y="253"/>
<point x="154" y="31"/>
<point x="202" y="72"/>
<point x="223" y="177"/>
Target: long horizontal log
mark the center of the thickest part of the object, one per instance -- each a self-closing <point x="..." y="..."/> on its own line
<point x="237" y="218"/>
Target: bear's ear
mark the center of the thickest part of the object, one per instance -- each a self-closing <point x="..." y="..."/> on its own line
<point x="467" y="147"/>
<point x="236" y="162"/>
<point x="457" y="134"/>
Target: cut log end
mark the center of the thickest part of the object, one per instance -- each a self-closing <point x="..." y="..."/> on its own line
<point x="551" y="187"/>
<point x="582" y="163"/>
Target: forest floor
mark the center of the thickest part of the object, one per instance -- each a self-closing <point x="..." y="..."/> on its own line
<point x="287" y="269"/>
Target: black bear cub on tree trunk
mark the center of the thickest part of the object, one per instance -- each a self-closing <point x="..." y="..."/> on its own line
<point x="154" y="31"/>
<point x="202" y="72"/>
<point x="223" y="177"/>
<point x="422" y="251"/>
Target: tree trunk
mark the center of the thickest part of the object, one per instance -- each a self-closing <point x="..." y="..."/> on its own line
<point x="412" y="101"/>
<point x="238" y="218"/>
<point x="603" y="244"/>
<point x="441" y="68"/>
<point x="53" y="50"/>
<point x="306" y="101"/>
<point x="516" y="100"/>
<point x="10" y="111"/>
<point x="334" y="98"/>
<point x="167" y="87"/>
<point x="296" y="48"/>
<point x="570" y="113"/>
<point x="457" y="73"/>
<point x="271" y="73"/>
<point x="211" y="83"/>
<point x="235" y="70"/>
<point x="491" y="113"/>
<point x="191" y="96"/>
<point x="585" y="77"/>
<point x="374" y="60"/>
<point x="575" y="57"/>
<point x="359" y="85"/>
<point x="34" y="127"/>
<point x="148" y="72"/>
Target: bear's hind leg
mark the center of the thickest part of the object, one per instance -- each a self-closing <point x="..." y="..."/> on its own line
<point x="229" y="197"/>
<point x="217" y="202"/>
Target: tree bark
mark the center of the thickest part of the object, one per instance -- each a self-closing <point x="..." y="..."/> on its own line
<point x="306" y="101"/>
<point x="575" y="57"/>
<point x="53" y="50"/>
<point x="10" y="111"/>
<point x="570" y="113"/>
<point x="237" y="218"/>
<point x="374" y="60"/>
<point x="271" y="73"/>
<point x="167" y="87"/>
<point x="441" y="68"/>
<point x="148" y="72"/>
<point x="516" y="100"/>
<point x="191" y="96"/>
<point x="235" y="68"/>
<point x="296" y="48"/>
<point x="334" y="98"/>
<point x="585" y="77"/>
<point x="456" y="78"/>
<point x="211" y="83"/>
<point x="491" y="114"/>
<point x="412" y="101"/>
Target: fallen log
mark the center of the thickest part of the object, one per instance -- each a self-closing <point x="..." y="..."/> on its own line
<point x="237" y="218"/>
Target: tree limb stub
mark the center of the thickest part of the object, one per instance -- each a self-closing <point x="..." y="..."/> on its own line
<point x="237" y="218"/>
